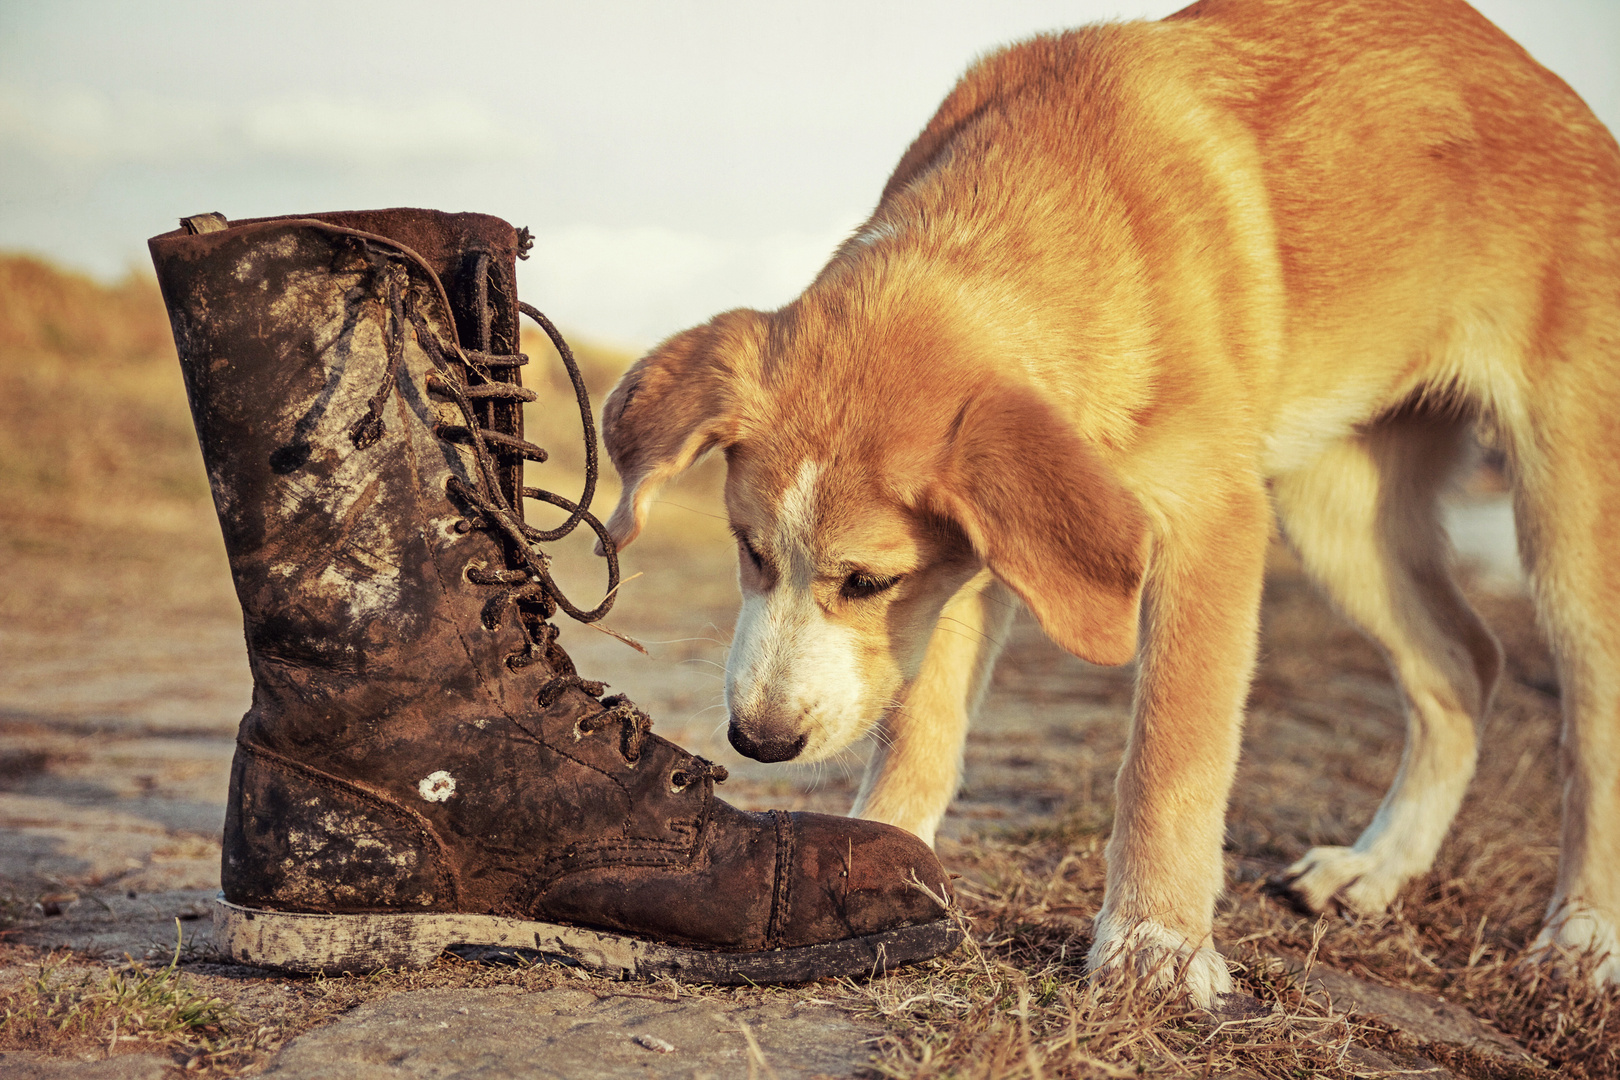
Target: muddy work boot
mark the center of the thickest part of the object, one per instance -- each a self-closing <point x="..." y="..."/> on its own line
<point x="422" y="767"/>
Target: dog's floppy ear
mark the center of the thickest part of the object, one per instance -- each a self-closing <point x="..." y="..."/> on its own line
<point x="1049" y="519"/>
<point x="673" y="406"/>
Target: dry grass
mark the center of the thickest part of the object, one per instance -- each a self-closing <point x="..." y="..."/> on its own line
<point x="1017" y="1004"/>
<point x="212" y="1018"/>
<point x="69" y="1007"/>
<point x="97" y="456"/>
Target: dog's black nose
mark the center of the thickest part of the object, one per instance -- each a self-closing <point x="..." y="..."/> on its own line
<point x="770" y="746"/>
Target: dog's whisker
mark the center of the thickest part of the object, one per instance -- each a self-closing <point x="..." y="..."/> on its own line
<point x="682" y="641"/>
<point x="691" y="509"/>
<point x="943" y="619"/>
<point x="975" y="634"/>
<point x="710" y="676"/>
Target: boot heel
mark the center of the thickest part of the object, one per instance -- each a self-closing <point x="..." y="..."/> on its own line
<point x="319" y="941"/>
<point x="303" y="941"/>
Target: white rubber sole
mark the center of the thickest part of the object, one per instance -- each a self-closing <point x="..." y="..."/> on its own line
<point x="316" y="942"/>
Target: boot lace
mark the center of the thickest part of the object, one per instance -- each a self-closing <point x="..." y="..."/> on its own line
<point x="524" y="587"/>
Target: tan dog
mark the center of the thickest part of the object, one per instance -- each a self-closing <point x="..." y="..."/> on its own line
<point x="1132" y="289"/>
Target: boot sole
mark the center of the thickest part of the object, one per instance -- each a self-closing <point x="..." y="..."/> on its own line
<point x="314" y="942"/>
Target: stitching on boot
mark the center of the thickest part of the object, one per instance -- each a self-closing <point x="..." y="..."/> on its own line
<point x="444" y="870"/>
<point x="781" y="893"/>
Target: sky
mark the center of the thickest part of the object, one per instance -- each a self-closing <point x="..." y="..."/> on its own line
<point x="674" y="159"/>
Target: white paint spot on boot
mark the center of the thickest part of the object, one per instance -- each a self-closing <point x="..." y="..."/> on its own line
<point x="437" y="787"/>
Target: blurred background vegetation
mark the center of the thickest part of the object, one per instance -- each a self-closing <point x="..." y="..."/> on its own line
<point x="92" y="411"/>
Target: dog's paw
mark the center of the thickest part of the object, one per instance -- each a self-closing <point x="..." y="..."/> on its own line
<point x="1576" y="939"/>
<point x="1159" y="959"/>
<point x="1329" y="877"/>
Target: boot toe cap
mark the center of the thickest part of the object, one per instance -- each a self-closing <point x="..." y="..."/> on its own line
<point x="850" y="878"/>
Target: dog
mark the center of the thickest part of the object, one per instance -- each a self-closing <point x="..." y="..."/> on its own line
<point x="1135" y="291"/>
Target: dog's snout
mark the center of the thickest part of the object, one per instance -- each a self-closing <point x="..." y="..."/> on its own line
<point x="766" y="742"/>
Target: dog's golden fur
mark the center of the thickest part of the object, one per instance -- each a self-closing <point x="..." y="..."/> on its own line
<point x="1135" y="288"/>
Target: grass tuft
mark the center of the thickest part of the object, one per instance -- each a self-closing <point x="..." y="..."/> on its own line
<point x="134" y="1004"/>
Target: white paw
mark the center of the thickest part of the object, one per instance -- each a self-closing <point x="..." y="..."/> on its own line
<point x="1577" y="934"/>
<point x="1160" y="957"/>
<point x="1350" y="878"/>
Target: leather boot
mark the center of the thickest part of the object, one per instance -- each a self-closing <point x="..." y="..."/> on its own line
<point x="422" y="766"/>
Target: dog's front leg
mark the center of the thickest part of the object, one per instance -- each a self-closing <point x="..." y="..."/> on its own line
<point x="916" y="765"/>
<point x="1200" y="623"/>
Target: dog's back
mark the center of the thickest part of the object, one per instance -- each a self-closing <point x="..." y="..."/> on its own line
<point x="1265" y="174"/>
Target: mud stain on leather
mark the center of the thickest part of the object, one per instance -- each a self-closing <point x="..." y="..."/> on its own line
<point x="331" y="359"/>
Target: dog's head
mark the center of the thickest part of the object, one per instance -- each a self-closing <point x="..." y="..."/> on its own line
<point x="872" y="471"/>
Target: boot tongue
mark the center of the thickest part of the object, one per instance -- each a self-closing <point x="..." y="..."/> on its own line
<point x="474" y="256"/>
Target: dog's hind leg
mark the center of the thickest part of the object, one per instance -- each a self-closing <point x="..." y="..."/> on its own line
<point x="1365" y="521"/>
<point x="916" y="766"/>
<point x="1567" y="503"/>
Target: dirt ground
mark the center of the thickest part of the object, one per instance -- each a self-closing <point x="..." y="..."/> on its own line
<point x="123" y="676"/>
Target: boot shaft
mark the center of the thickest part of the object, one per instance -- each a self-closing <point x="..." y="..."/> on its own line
<point x="309" y="348"/>
<point x="474" y="257"/>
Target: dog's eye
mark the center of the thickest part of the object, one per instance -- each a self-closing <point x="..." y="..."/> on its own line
<point x="753" y="556"/>
<point x="860" y="585"/>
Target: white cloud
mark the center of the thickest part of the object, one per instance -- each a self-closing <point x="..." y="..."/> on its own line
<point x="635" y="286"/>
<point x="360" y="130"/>
<point x="78" y="126"/>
